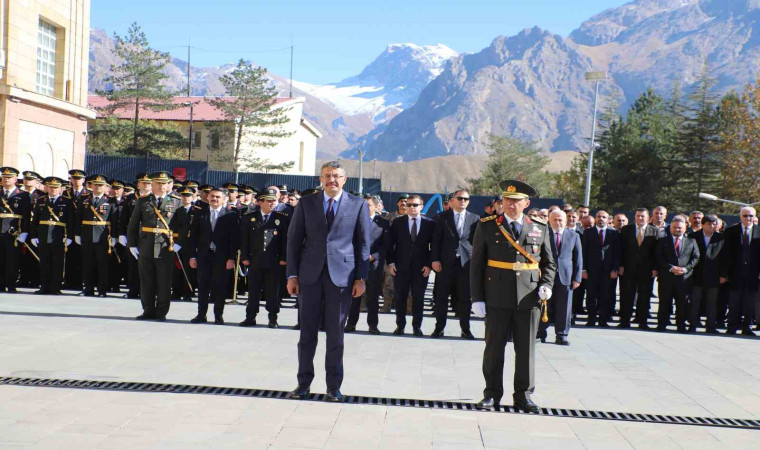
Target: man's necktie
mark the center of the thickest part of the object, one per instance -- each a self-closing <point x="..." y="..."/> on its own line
<point x="266" y="218"/>
<point x="213" y="219"/>
<point x="460" y="224"/>
<point x="745" y="240"/>
<point x="158" y="203"/>
<point x="515" y="229"/>
<point x="330" y="215"/>
<point x="413" y="233"/>
<point x="678" y="247"/>
<point x="601" y="237"/>
<point x="559" y="242"/>
<point x="640" y="239"/>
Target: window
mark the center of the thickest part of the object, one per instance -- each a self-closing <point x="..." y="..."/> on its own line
<point x="46" y="37"/>
<point x="213" y="139"/>
<point x="196" y="139"/>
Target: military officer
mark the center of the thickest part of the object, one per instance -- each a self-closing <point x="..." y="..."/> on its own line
<point x="508" y="288"/>
<point x="183" y="223"/>
<point x="95" y="233"/>
<point x="151" y="242"/>
<point x="118" y="268"/>
<point x="15" y="216"/>
<point x="133" y="274"/>
<point x="76" y="193"/>
<point x="51" y="232"/>
<point x="30" y="274"/>
<point x="262" y="250"/>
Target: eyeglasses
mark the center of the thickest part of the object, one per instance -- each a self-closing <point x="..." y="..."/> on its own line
<point x="463" y="199"/>
<point x="332" y="177"/>
<point x="413" y="205"/>
<point x="748" y="215"/>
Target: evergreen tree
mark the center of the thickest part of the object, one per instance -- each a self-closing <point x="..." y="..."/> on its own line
<point x="511" y="158"/>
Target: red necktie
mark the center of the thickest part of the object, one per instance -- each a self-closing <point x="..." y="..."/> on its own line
<point x="601" y="237"/>
<point x="746" y="236"/>
<point x="678" y="247"/>
<point x="559" y="242"/>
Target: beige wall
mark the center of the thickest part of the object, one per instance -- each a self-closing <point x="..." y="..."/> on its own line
<point x="40" y="132"/>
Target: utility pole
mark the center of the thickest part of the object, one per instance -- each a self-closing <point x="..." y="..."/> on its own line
<point x="361" y="173"/>
<point x="188" y="71"/>
<point x="291" y="66"/>
<point x="598" y="77"/>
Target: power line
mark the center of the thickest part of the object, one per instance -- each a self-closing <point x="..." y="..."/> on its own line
<point x="275" y="50"/>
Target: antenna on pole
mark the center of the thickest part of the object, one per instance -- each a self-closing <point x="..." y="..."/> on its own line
<point x="291" y="66"/>
<point x="188" y="66"/>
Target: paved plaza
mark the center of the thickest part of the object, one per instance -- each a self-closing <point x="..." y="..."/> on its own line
<point x="621" y="371"/>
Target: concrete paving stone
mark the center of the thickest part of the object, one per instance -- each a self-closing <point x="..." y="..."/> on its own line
<point x="300" y="438"/>
<point x="395" y="442"/>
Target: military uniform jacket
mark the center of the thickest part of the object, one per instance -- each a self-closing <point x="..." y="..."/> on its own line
<point x="126" y="213"/>
<point x="76" y="199"/>
<point x="15" y="211"/>
<point x="263" y="244"/>
<point x="505" y="288"/>
<point x="48" y="233"/>
<point x="143" y="217"/>
<point x="107" y="225"/>
<point x="183" y="222"/>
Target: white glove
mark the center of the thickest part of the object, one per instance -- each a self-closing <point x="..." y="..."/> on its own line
<point x="135" y="252"/>
<point x="22" y="237"/>
<point x="68" y="242"/>
<point x="113" y="242"/>
<point x="35" y="242"/>
<point x="479" y="309"/>
<point x="177" y="248"/>
<point x="544" y="293"/>
<point x="78" y="240"/>
<point x="123" y="241"/>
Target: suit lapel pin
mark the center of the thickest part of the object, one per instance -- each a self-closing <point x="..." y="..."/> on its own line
<point x="253" y="219"/>
<point x="275" y="233"/>
<point x="276" y="222"/>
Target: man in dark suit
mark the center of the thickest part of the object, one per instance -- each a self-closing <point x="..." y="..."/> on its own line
<point x="327" y="261"/>
<point x="451" y="248"/>
<point x="409" y="261"/>
<point x="214" y="251"/>
<point x="741" y="268"/>
<point x="601" y="261"/>
<point x="706" y="279"/>
<point x="263" y="234"/>
<point x="95" y="231"/>
<point x="677" y="255"/>
<point x="568" y="253"/>
<point x="637" y="268"/>
<point x="378" y="235"/>
<point x="512" y="272"/>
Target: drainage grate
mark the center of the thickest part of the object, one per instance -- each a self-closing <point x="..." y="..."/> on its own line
<point x="357" y="399"/>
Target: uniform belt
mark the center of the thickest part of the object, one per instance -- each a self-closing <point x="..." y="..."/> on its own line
<point x="512" y="266"/>
<point x="10" y="216"/>
<point x="176" y="235"/>
<point x="52" y="223"/>
<point x="156" y="230"/>
<point x="94" y="222"/>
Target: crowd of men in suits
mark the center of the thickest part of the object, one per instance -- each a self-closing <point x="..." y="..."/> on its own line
<point x="168" y="240"/>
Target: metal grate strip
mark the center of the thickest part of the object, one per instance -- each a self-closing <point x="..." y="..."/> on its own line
<point x="753" y="424"/>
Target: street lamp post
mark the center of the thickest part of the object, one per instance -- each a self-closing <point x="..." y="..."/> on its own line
<point x="190" y="139"/>
<point x="598" y="77"/>
<point x="361" y="173"/>
<point x="715" y="198"/>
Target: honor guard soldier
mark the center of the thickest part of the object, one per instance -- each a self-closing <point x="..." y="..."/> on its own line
<point x="15" y="215"/>
<point x="151" y="242"/>
<point x="184" y="277"/>
<point x="51" y="233"/>
<point x="30" y="274"/>
<point x="142" y="189"/>
<point x="96" y="234"/>
<point x="118" y="268"/>
<point x="202" y="200"/>
<point x="509" y="288"/>
<point x="75" y="192"/>
<point x="262" y="250"/>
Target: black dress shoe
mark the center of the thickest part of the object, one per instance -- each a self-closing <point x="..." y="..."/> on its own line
<point x="297" y="326"/>
<point x="82" y="294"/>
<point x="730" y="332"/>
<point x="349" y="329"/>
<point x="468" y="335"/>
<point x="145" y="317"/>
<point x="102" y="295"/>
<point x="248" y="323"/>
<point x="623" y="325"/>
<point x="373" y="330"/>
<point x="604" y="325"/>
<point x="219" y="321"/>
<point x="417" y="332"/>
<point x="562" y="341"/>
<point x="542" y="340"/>
<point x="525" y="404"/>
<point x="334" y="395"/>
<point x="160" y="318"/>
<point x="661" y="328"/>
<point x="55" y="293"/>
<point x="273" y="324"/>
<point x="12" y="290"/>
<point x="41" y="292"/>
<point x="436" y="333"/>
<point x="644" y="326"/>
<point x="747" y="331"/>
<point x="591" y="323"/>
<point x="681" y="330"/>
<point x="299" y="393"/>
<point x="487" y="404"/>
<point x="712" y="331"/>
<point x="398" y="331"/>
<point x="199" y="319"/>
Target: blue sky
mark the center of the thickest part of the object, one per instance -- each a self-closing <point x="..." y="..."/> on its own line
<point x="333" y="39"/>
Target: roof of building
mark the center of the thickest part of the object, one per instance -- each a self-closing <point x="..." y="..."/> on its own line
<point x="203" y="110"/>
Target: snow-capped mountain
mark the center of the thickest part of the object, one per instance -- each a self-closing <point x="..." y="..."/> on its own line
<point x="388" y="85"/>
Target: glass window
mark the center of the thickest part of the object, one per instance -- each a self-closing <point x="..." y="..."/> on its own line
<point x="213" y="140"/>
<point x="45" y="77"/>
<point x="196" y="139"/>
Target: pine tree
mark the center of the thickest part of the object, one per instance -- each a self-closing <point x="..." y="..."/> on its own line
<point x="511" y="158"/>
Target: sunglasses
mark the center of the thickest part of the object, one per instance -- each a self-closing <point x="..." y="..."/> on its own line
<point x="748" y="215"/>
<point x="463" y="199"/>
<point x="413" y="205"/>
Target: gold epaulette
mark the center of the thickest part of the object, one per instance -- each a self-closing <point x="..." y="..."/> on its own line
<point x="143" y="196"/>
<point x="486" y="219"/>
<point x="538" y="221"/>
<point x="175" y="196"/>
<point x="196" y="207"/>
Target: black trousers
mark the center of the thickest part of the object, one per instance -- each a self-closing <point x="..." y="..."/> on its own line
<point x="95" y="266"/>
<point x="667" y="292"/>
<point x="117" y="268"/>
<point x="155" y="284"/>
<point x="51" y="266"/>
<point x="337" y="301"/>
<point x="559" y="309"/>
<point x="180" y="289"/>
<point x="578" y="294"/>
<point x="30" y="274"/>
<point x="9" y="261"/>
<point x="73" y="279"/>
<point x="133" y="276"/>
<point x="454" y="281"/>
<point x="598" y="299"/>
<point x="741" y="308"/>
<point x="405" y="281"/>
<point x="635" y="287"/>
<point x="371" y="296"/>
<point x="263" y="284"/>
<point x="523" y="326"/>
<point x="707" y="296"/>
<point x="213" y="281"/>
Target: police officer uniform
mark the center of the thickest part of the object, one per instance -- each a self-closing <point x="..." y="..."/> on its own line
<point x="263" y="246"/>
<point x="150" y="238"/>
<point x="505" y="274"/>
<point x="15" y="216"/>
<point x="51" y="232"/>
<point x="96" y="234"/>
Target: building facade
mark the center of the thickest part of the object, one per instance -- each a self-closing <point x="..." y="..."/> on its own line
<point x="43" y="84"/>
<point x="214" y="137"/>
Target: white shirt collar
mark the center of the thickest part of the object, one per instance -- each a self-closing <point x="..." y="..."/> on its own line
<point x="217" y="210"/>
<point x="560" y="231"/>
<point x="518" y="220"/>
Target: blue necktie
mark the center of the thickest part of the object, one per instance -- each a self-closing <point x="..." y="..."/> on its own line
<point x="330" y="213"/>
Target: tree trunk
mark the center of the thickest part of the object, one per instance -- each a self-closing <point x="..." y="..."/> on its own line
<point x="236" y="157"/>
